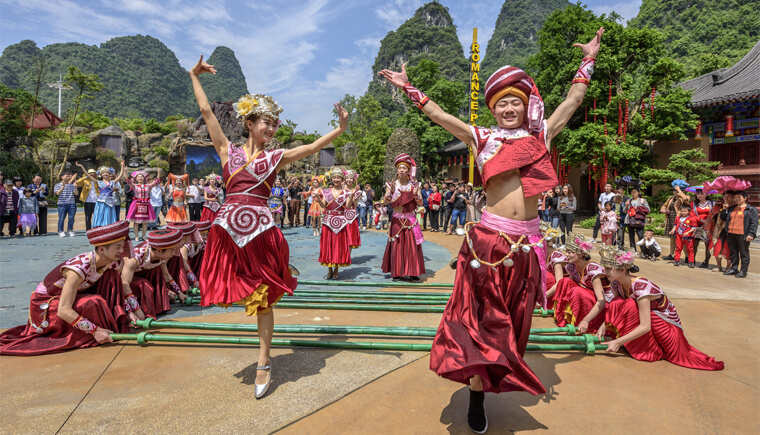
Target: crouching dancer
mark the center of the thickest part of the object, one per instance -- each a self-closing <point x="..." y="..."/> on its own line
<point x="80" y="302"/>
<point x="484" y="331"/>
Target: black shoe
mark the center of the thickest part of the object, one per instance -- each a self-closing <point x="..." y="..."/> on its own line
<point x="476" y="416"/>
<point x="398" y="278"/>
<point x="668" y="258"/>
<point x="741" y="274"/>
<point x="731" y="272"/>
<point x="676" y="263"/>
<point x="453" y="263"/>
<point x="414" y="279"/>
<point x="704" y="265"/>
<point x="691" y="265"/>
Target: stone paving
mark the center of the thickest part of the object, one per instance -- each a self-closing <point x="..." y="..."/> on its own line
<point x="183" y="388"/>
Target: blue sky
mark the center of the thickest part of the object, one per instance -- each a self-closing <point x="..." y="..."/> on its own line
<point x="307" y="54"/>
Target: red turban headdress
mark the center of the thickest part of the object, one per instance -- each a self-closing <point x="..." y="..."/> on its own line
<point x="510" y="80"/>
<point x="188" y="230"/>
<point x="409" y="161"/>
<point x="164" y="239"/>
<point x="112" y="233"/>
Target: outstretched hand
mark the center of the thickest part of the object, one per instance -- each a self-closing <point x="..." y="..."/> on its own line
<point x="592" y="48"/>
<point x="342" y="116"/>
<point x="202" y="67"/>
<point x="397" y="79"/>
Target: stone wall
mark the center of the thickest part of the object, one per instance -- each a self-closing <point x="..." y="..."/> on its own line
<point x="403" y="140"/>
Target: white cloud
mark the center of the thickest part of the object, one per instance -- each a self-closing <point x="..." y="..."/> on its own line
<point x="369" y="45"/>
<point x="627" y="10"/>
<point x="393" y="13"/>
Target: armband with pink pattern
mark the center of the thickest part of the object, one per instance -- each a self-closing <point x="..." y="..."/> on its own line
<point x="131" y="303"/>
<point x="416" y="95"/>
<point x="84" y="324"/>
<point x="585" y="71"/>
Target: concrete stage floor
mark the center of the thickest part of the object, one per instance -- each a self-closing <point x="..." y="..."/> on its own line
<point x="175" y="388"/>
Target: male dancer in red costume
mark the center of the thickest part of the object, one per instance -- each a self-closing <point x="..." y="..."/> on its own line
<point x="484" y="330"/>
<point x="403" y="253"/>
<point x="79" y="302"/>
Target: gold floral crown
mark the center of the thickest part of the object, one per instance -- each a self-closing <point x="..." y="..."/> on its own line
<point x="257" y="104"/>
<point x="550" y="233"/>
<point x="577" y="243"/>
<point x="616" y="258"/>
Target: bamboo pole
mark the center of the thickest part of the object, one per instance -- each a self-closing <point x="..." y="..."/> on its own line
<point x="377" y="284"/>
<point x="362" y="293"/>
<point x="145" y="337"/>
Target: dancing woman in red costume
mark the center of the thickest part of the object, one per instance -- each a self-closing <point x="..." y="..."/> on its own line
<point x="484" y="330"/>
<point x="646" y="321"/>
<point x="354" y="237"/>
<point x="403" y="252"/>
<point x="334" y="242"/>
<point x="582" y="297"/>
<point x="246" y="258"/>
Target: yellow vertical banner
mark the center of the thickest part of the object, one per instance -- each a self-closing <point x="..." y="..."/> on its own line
<point x="474" y="92"/>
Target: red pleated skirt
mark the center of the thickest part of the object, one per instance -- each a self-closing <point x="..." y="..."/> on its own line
<point x="195" y="262"/>
<point x="334" y="249"/>
<point x="665" y="341"/>
<point x="354" y="238"/>
<point x="485" y="327"/>
<point x="176" y="269"/>
<point x="256" y="275"/>
<point x="720" y="250"/>
<point x="403" y="256"/>
<point x="572" y="303"/>
<point x="550" y="281"/>
<point x="101" y="304"/>
<point x="152" y="291"/>
<point x="208" y="215"/>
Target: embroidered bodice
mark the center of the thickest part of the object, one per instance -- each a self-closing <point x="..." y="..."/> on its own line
<point x="335" y="209"/>
<point x="142" y="191"/>
<point x="403" y="196"/>
<point x="178" y="196"/>
<point x="661" y="305"/>
<point x="142" y="255"/>
<point x="557" y="257"/>
<point x="586" y="279"/>
<point x="84" y="266"/>
<point x="245" y="213"/>
<point x="500" y="150"/>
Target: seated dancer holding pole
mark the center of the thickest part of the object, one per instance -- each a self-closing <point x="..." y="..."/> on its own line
<point x="555" y="264"/>
<point x="645" y="321"/>
<point x="147" y="275"/>
<point x="502" y="295"/>
<point x="79" y="302"/>
<point x="193" y="252"/>
<point x="334" y="247"/>
<point x="403" y="251"/>
<point x="246" y="258"/>
<point x="178" y="266"/>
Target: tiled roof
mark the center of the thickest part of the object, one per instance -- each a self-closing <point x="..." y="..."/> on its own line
<point x="739" y="82"/>
<point x="739" y="170"/>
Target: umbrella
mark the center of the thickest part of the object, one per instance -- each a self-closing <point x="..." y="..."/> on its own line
<point x="680" y="183"/>
<point x="693" y="189"/>
<point x="727" y="182"/>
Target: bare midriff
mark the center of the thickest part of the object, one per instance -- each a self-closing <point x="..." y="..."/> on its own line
<point x="505" y="197"/>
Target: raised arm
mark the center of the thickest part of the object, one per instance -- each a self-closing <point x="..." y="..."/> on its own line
<point x="121" y="174"/>
<point x="451" y="123"/>
<point x="215" y="132"/>
<point x="297" y="153"/>
<point x="565" y="110"/>
<point x="86" y="175"/>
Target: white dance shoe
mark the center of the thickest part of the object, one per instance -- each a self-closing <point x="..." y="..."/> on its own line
<point x="261" y="390"/>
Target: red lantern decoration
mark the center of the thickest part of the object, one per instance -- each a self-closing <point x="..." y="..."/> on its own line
<point x="609" y="99"/>
<point x="625" y="121"/>
<point x="449" y="160"/>
<point x="643" y="110"/>
<point x="698" y="134"/>
<point x="594" y="110"/>
<point x="651" y="104"/>
<point x="620" y="120"/>
<point x="729" y="126"/>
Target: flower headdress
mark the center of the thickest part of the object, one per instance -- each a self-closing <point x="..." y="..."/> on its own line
<point x="104" y="169"/>
<point x="257" y="104"/>
<point x="617" y="259"/>
<point x="213" y="176"/>
<point x="338" y="172"/>
<point x="577" y="243"/>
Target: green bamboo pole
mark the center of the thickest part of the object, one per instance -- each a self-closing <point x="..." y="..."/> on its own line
<point x="362" y="293"/>
<point x="377" y="284"/>
<point x="291" y="329"/>
<point x="145" y="337"/>
<point x="318" y="300"/>
<point x="569" y="329"/>
<point x="562" y="338"/>
<point x="360" y="307"/>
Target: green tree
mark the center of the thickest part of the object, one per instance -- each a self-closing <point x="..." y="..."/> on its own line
<point x="631" y="64"/>
<point x="690" y="165"/>
<point x="83" y="85"/>
<point x="450" y="95"/>
<point x="16" y="103"/>
<point x="37" y="72"/>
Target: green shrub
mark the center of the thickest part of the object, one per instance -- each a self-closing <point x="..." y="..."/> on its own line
<point x="160" y="150"/>
<point x="656" y="223"/>
<point x="587" y="224"/>
<point x="93" y="120"/>
<point x="152" y="126"/>
<point x="158" y="163"/>
<point x="81" y="138"/>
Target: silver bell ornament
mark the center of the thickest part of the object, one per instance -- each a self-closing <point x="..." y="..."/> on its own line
<point x="526" y="248"/>
<point x="539" y="245"/>
<point x="39" y="330"/>
<point x="44" y="324"/>
<point x="44" y="306"/>
<point x="508" y="262"/>
<point x="474" y="264"/>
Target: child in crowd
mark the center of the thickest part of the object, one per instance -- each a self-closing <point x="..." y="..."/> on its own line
<point x="685" y="226"/>
<point x="28" y="210"/>
<point x="420" y="212"/>
<point x="609" y="219"/>
<point x="381" y="216"/>
<point x="650" y="249"/>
